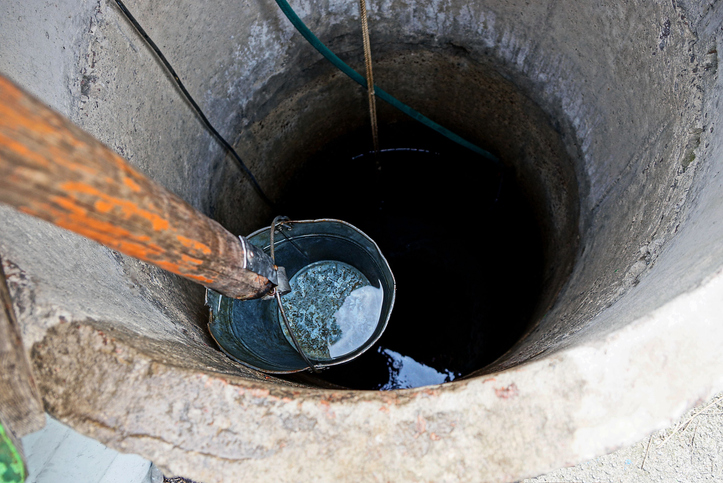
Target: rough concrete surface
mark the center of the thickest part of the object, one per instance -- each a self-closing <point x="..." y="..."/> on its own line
<point x="629" y="185"/>
<point x="691" y="451"/>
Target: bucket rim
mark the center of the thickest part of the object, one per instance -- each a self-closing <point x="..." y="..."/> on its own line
<point x="391" y="291"/>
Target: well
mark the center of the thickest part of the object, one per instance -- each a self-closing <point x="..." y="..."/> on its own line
<point x="606" y="112"/>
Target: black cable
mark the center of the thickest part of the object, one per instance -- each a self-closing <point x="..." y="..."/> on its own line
<point x="198" y="110"/>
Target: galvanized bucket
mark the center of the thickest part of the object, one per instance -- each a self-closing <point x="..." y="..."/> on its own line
<point x="252" y="332"/>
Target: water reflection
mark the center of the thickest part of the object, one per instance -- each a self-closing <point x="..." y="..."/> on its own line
<point x="405" y="372"/>
<point x="333" y="309"/>
<point x="357" y="318"/>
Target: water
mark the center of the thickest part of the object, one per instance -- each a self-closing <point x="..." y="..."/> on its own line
<point x="332" y="308"/>
<point x="461" y="239"/>
<point x="406" y="373"/>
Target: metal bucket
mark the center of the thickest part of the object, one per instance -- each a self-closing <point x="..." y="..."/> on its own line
<point x="251" y="332"/>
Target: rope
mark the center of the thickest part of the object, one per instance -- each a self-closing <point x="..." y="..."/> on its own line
<point x="370" y="76"/>
<point x="381" y="94"/>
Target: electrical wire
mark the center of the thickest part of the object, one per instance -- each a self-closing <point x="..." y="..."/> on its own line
<point x="229" y="149"/>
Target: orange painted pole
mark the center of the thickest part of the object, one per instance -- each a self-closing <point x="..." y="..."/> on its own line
<point x="51" y="169"/>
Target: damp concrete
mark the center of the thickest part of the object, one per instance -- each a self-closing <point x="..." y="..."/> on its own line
<point x="625" y="341"/>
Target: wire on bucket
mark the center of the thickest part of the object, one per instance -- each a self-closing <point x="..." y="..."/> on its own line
<point x="277" y="221"/>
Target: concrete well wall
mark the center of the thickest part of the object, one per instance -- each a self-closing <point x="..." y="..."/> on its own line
<point x="608" y="113"/>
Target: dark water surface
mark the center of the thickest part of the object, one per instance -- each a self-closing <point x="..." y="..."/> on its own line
<point x="459" y="236"/>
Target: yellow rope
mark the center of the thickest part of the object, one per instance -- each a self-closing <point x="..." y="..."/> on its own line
<point x="370" y="76"/>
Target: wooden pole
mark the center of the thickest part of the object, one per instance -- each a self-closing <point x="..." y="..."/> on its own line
<point x="51" y="169"/>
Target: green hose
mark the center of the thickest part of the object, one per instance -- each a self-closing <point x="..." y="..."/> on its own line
<point x="381" y="94"/>
<point x="12" y="469"/>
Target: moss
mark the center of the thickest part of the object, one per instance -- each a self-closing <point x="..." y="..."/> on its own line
<point x="688" y="159"/>
<point x="693" y="144"/>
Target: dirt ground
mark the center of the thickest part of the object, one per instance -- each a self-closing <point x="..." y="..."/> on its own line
<point x="689" y="451"/>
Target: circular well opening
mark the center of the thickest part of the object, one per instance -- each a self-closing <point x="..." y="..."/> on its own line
<point x="479" y="250"/>
<point x="461" y="239"/>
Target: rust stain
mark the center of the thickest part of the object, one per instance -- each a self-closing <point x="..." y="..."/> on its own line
<point x="128" y="208"/>
<point x="193" y="244"/>
<point x="28" y="149"/>
<point x="18" y="110"/>
<point x="210" y="381"/>
<point x="259" y="392"/>
<point x="60" y="158"/>
<point x="191" y="260"/>
<point x="326" y="406"/>
<point x="132" y="184"/>
<point x="390" y="398"/>
<point x="76" y="218"/>
<point x="202" y="279"/>
<point x="507" y="392"/>
<point x="18" y="116"/>
<point x="421" y="426"/>
<point x="103" y="206"/>
<point x="185" y="271"/>
<point x="23" y="151"/>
